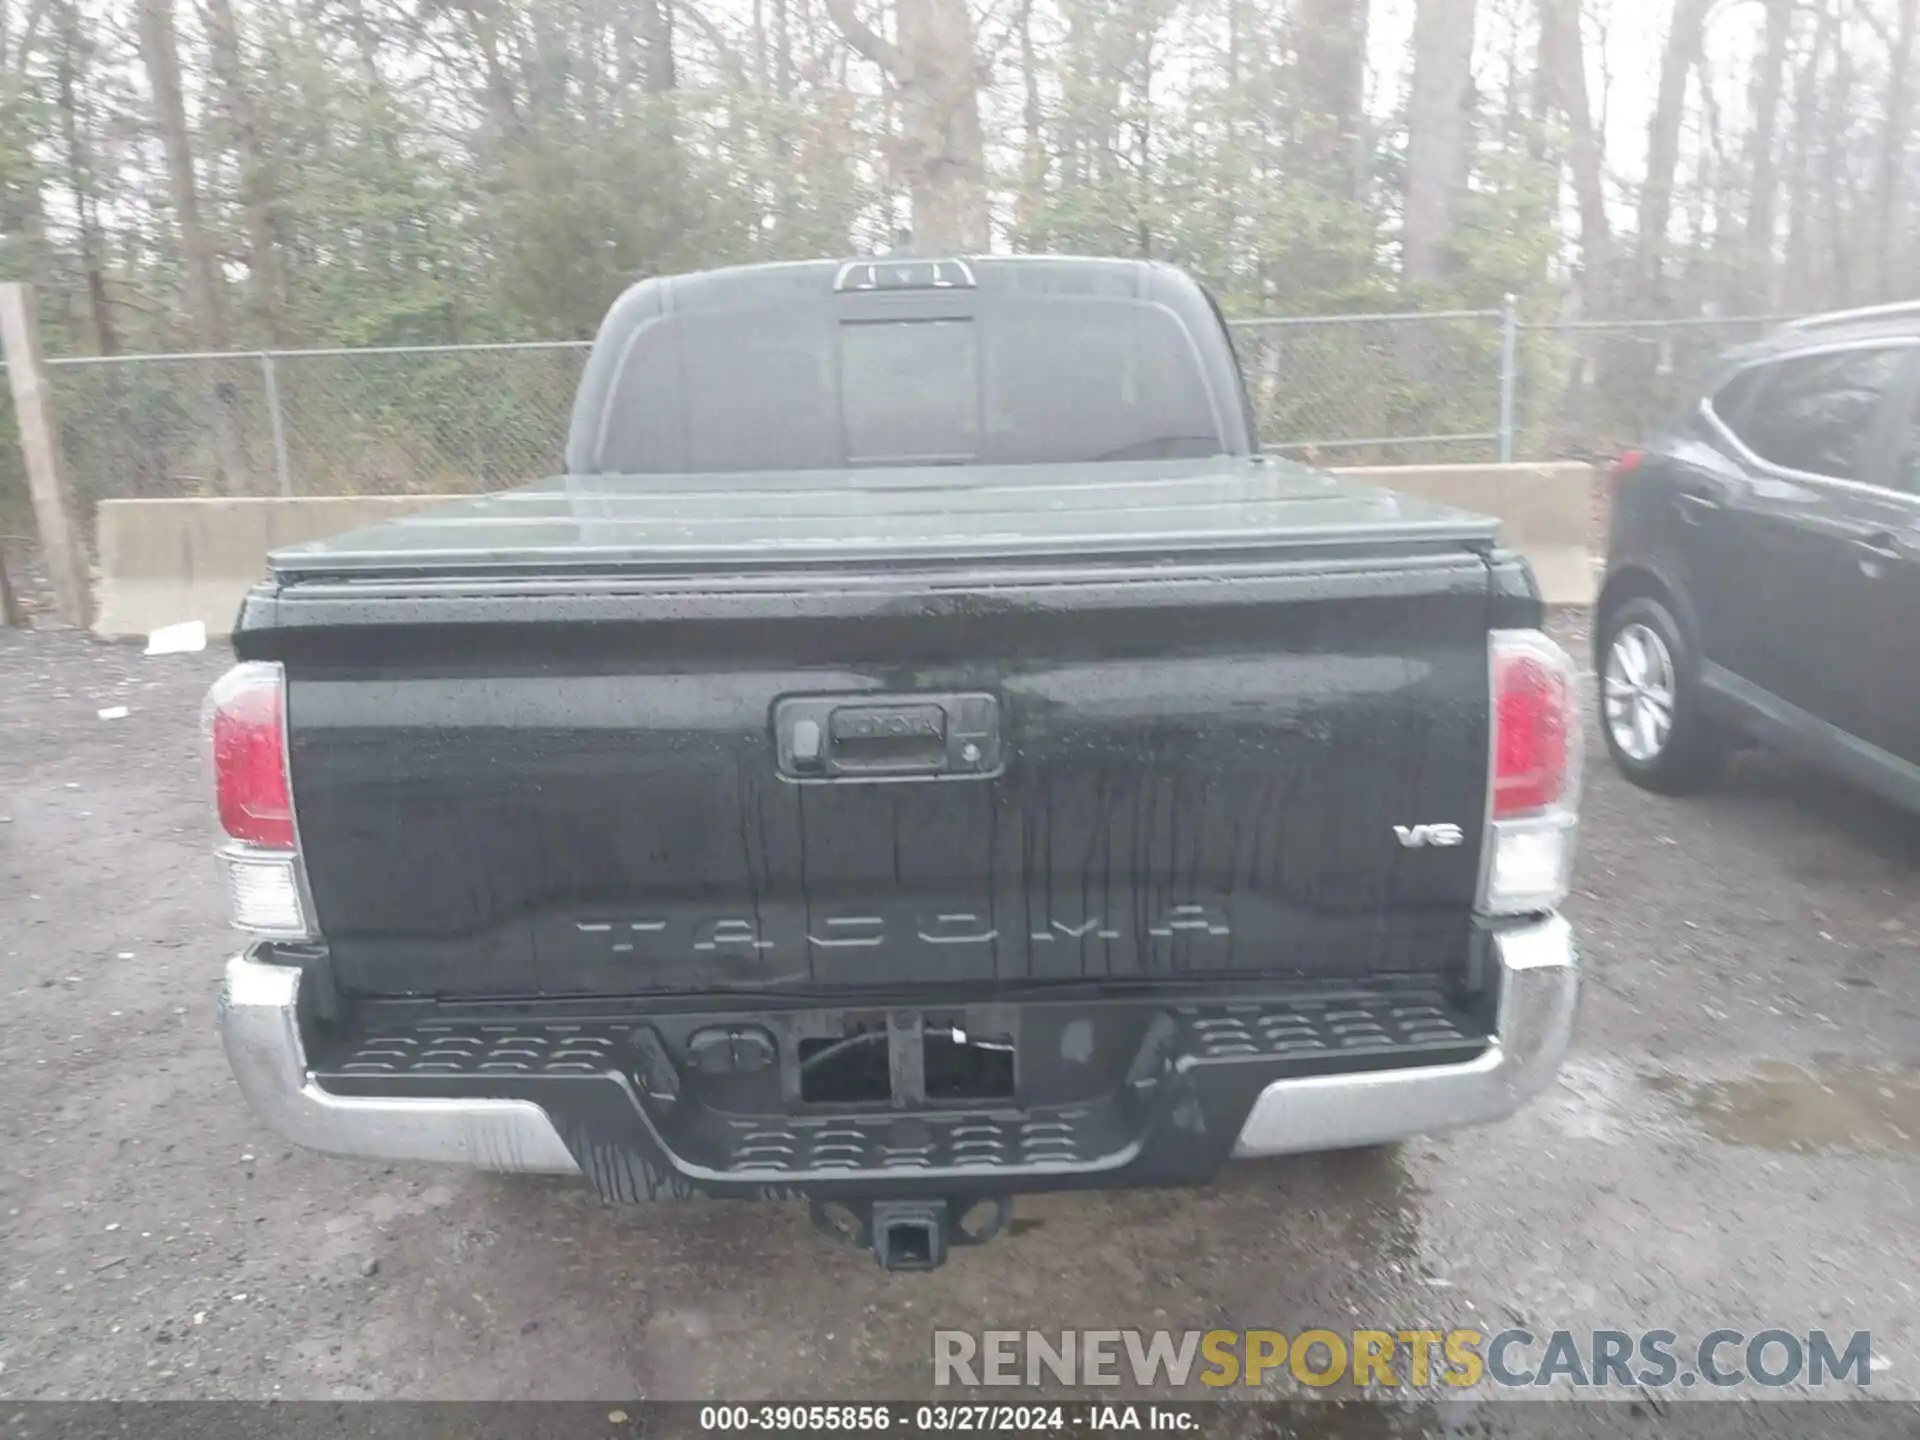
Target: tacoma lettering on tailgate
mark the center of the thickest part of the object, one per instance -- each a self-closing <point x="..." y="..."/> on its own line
<point x="829" y="931"/>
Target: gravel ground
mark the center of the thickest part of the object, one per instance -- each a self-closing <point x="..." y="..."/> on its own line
<point x="1735" y="1143"/>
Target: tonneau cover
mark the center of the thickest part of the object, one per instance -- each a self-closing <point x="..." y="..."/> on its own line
<point x="1169" y="509"/>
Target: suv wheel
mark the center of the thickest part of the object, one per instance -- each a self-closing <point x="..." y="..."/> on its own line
<point x="1649" y="701"/>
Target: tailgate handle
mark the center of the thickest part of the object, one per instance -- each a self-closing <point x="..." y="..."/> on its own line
<point x="888" y="739"/>
<point x="824" y="738"/>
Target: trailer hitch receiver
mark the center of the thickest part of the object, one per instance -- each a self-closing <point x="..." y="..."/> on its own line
<point x="911" y="1234"/>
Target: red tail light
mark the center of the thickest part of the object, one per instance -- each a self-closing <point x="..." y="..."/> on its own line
<point x="1535" y="720"/>
<point x="1625" y="466"/>
<point x="245" y="712"/>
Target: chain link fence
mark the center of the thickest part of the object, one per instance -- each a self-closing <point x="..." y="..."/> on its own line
<point x="314" y="422"/>
<point x="1377" y="389"/>
<point x="1591" y="388"/>
<point x="1349" y="390"/>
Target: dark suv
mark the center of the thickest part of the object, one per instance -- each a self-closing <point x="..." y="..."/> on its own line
<point x="1763" y="570"/>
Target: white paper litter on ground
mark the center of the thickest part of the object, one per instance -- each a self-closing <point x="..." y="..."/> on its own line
<point x="115" y="712"/>
<point x="182" y="639"/>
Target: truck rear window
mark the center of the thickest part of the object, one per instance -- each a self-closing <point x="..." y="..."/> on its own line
<point x="1047" y="380"/>
<point x="910" y="392"/>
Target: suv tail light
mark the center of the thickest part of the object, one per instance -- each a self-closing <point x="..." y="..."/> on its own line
<point x="1534" y="777"/>
<point x="1625" y="466"/>
<point x="247" y="733"/>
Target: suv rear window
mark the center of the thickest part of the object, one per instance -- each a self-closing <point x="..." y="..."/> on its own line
<point x="1907" y="476"/>
<point x="1041" y="380"/>
<point x="1815" y="412"/>
<point x="1730" y="400"/>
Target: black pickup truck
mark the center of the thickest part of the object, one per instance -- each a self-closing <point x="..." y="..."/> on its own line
<point x="920" y="753"/>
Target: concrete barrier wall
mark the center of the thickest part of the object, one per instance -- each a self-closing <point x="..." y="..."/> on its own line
<point x="166" y="561"/>
<point x="1545" y="512"/>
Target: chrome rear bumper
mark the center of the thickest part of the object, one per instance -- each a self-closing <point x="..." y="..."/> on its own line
<point x="1539" y="992"/>
<point x="1539" y="996"/>
<point x="260" y="1024"/>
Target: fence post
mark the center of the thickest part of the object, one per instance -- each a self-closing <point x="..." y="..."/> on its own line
<point x="10" y="612"/>
<point x="60" y="539"/>
<point x="281" y="466"/>
<point x="1509" y="374"/>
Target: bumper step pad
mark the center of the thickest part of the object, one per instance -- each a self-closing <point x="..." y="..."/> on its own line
<point x="1141" y="1093"/>
<point x="1146" y="1088"/>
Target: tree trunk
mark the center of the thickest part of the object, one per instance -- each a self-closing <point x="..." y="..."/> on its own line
<point x="626" y="49"/>
<point x="1798" y="279"/>
<point x="205" y="297"/>
<point x="1232" y="170"/>
<point x="1146" y="32"/>
<point x="1033" y="158"/>
<point x="782" y="51"/>
<point x="1892" y="158"/>
<point x="1565" y="56"/>
<point x="660" y="78"/>
<point x="206" y="300"/>
<point x="1704" y="228"/>
<point x="656" y="31"/>
<point x="86" y="204"/>
<point x="762" y="48"/>
<point x="936" y="73"/>
<point x="949" y="148"/>
<point x="256" y="175"/>
<point x="10" y="612"/>
<point x="1076" y="85"/>
<point x="1663" y="144"/>
<point x="1840" y="236"/>
<point x="1438" y="127"/>
<point x="1763" y="171"/>
<point x="1540" y="94"/>
<point x="499" y="94"/>
<point x="1330" y="44"/>
<point x="547" y="64"/>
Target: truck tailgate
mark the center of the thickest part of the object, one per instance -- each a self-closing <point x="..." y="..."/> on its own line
<point x="1047" y="768"/>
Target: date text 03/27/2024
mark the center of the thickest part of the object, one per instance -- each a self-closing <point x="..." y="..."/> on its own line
<point x="947" y="1418"/>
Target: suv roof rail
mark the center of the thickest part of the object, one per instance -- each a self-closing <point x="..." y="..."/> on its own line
<point x="1845" y="317"/>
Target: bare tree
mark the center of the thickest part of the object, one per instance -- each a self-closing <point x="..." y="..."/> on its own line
<point x="1330" y="50"/>
<point x="10" y="611"/>
<point x="1131" y="60"/>
<point x="935" y="71"/>
<point x="1034" y="160"/>
<point x="1763" y="152"/>
<point x="1439" y="130"/>
<point x="1563" y="49"/>
<point x="206" y="297"/>
<point x="257" y="191"/>
<point x="205" y="294"/>
<point x="656" y="31"/>
<point x="80" y="179"/>
<point x="782" y="51"/>
<point x="485" y="168"/>
<point x="1663" y="142"/>
<point x="1891" y="160"/>
<point x="661" y="78"/>
<point x="1797" y="279"/>
<point x="23" y="217"/>
<point x="1841" y="239"/>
